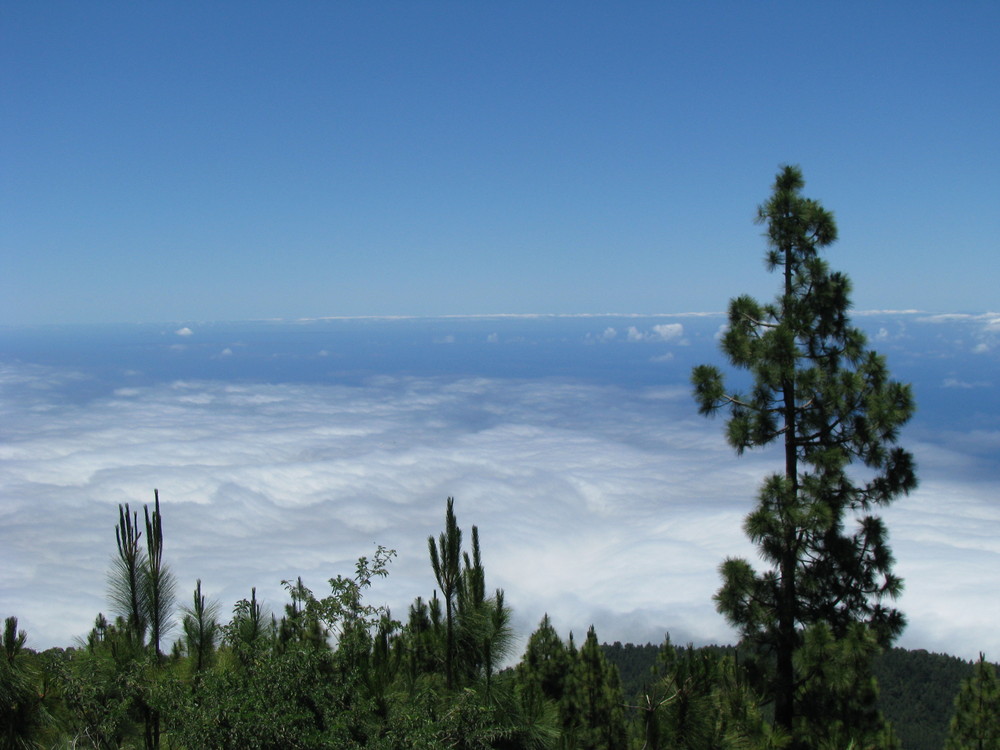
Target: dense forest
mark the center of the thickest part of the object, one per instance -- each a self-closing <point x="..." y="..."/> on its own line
<point x="917" y="689"/>
<point x="814" y="668"/>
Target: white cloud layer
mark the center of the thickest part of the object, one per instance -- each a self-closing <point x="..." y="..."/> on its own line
<point x="596" y="504"/>
<point x="984" y="328"/>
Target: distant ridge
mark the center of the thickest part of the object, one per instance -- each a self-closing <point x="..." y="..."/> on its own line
<point x="917" y="688"/>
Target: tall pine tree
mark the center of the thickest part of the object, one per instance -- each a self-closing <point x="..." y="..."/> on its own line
<point x="829" y="401"/>
<point x="596" y="690"/>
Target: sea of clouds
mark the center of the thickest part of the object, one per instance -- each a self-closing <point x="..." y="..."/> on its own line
<point x="600" y="498"/>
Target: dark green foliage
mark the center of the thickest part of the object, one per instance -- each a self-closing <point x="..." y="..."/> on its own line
<point x="917" y="689"/>
<point x="284" y="686"/>
<point x="595" y="691"/>
<point x="158" y="599"/>
<point x="504" y="718"/>
<point x="582" y="687"/>
<point x="423" y="641"/>
<point x="838" y="695"/>
<point x="106" y="686"/>
<point x="635" y="663"/>
<point x="13" y="641"/>
<point x="546" y="663"/>
<point x="201" y="630"/>
<point x="125" y="581"/>
<point x="680" y="710"/>
<point x="141" y="587"/>
<point x="23" y="717"/>
<point x="547" y="675"/>
<point x="695" y="699"/>
<point x="250" y="632"/>
<point x="338" y="672"/>
<point x="299" y="625"/>
<point x="157" y="580"/>
<point x="831" y="404"/>
<point x="916" y="693"/>
<point x="446" y="560"/>
<point x="142" y="594"/>
<point x="484" y="635"/>
<point x="976" y="722"/>
<point x="289" y="699"/>
<point x="476" y="633"/>
<point x="376" y="685"/>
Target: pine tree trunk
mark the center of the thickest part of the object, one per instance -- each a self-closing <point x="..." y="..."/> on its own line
<point x="784" y="704"/>
<point x="449" y="648"/>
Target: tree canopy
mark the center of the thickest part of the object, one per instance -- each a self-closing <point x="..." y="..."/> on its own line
<point x="828" y="400"/>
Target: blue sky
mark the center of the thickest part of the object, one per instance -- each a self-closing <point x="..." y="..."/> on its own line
<point x="259" y="160"/>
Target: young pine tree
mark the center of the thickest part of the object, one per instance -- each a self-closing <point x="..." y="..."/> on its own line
<point x="158" y="581"/>
<point x="830" y="403"/>
<point x="22" y="715"/>
<point x="546" y="662"/>
<point x="142" y="593"/>
<point x="126" y="578"/>
<point x="976" y="722"/>
<point x="201" y="630"/>
<point x="484" y="636"/>
<point x="446" y="558"/>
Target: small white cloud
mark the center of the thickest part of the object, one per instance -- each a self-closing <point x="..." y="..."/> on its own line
<point x="323" y="353"/>
<point x="661" y="332"/>
<point x="177" y="347"/>
<point x="663" y="357"/>
<point x="609" y="334"/>
<point x="668" y="331"/>
<point x="492" y="338"/>
<point x="882" y="335"/>
<point x="185" y="331"/>
<point x="449" y="339"/>
<point x="956" y="383"/>
<point x="981" y="348"/>
<point x="227" y="352"/>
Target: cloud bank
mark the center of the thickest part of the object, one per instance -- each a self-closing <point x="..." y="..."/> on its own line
<point x="596" y="503"/>
<point x="588" y="499"/>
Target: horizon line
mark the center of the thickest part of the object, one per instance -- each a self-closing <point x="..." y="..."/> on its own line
<point x="466" y="316"/>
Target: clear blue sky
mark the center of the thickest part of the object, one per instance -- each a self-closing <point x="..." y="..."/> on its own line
<point x="192" y="161"/>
